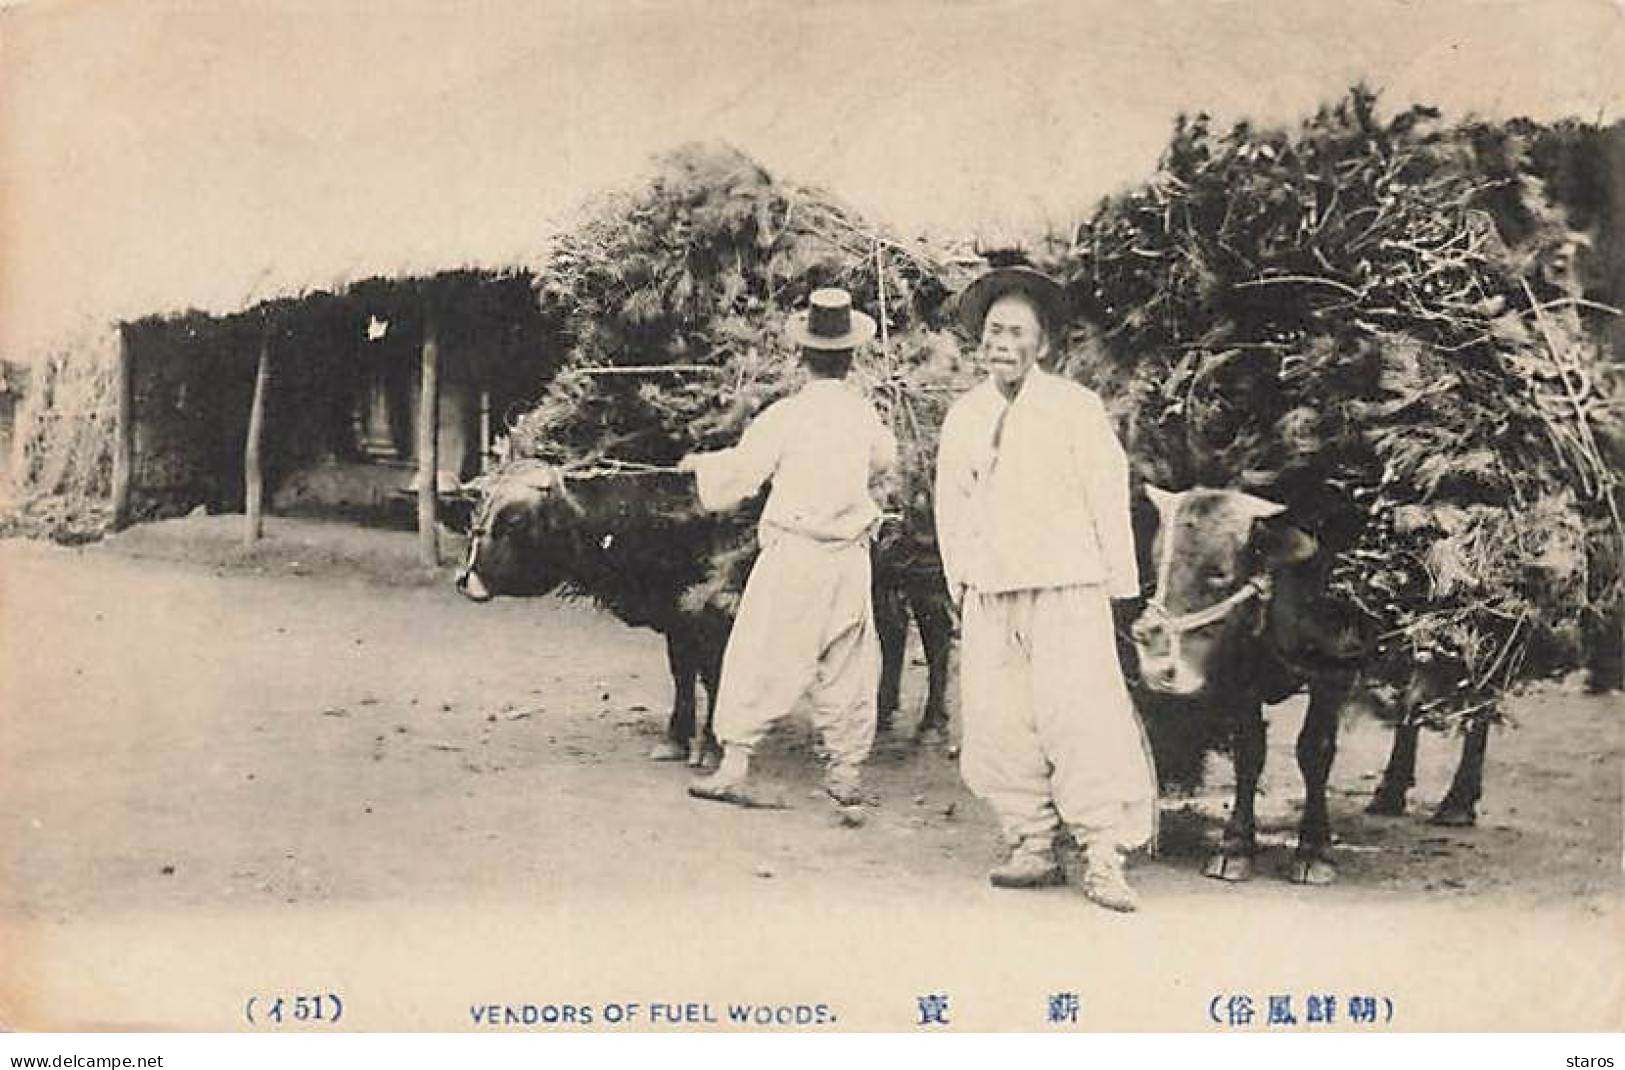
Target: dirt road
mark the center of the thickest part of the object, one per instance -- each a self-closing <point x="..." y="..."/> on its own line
<point x="275" y="772"/>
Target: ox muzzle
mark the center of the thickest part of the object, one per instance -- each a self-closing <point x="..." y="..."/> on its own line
<point x="1159" y="634"/>
<point x="1159" y="637"/>
<point x="471" y="586"/>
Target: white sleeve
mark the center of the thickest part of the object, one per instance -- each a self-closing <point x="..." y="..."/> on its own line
<point x="725" y="478"/>
<point x="1105" y="471"/>
<point x="953" y="494"/>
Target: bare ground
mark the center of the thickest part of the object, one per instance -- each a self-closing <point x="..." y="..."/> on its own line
<point x="314" y="764"/>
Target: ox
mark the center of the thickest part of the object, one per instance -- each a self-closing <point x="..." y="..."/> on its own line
<point x="637" y="542"/>
<point x="1239" y="620"/>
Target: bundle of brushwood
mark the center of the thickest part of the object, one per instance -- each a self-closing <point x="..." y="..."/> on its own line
<point x="58" y="481"/>
<point x="676" y="296"/>
<point x="1377" y="323"/>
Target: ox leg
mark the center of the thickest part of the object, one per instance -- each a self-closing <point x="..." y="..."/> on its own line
<point x="1234" y="862"/>
<point x="680" y="726"/>
<point x="891" y="622"/>
<point x="1605" y="644"/>
<point x="1459" y="807"/>
<point x="1317" y="747"/>
<point x="933" y="614"/>
<point x="1399" y="776"/>
<point x="704" y="750"/>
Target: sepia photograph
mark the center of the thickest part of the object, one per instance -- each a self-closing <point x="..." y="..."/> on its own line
<point x="947" y="516"/>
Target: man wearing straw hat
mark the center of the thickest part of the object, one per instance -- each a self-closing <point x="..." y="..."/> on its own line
<point x="806" y="620"/>
<point x="1032" y="508"/>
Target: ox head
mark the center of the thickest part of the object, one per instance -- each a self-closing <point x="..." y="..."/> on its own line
<point x="513" y="533"/>
<point x="1214" y="554"/>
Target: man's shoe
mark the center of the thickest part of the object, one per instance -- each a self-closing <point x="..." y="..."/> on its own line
<point x="843" y="783"/>
<point x="1105" y="884"/>
<point x="732" y="783"/>
<point x="1028" y="868"/>
<point x="845" y="794"/>
<point x="738" y="792"/>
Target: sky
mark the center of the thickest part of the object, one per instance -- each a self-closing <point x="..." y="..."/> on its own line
<point x="157" y="155"/>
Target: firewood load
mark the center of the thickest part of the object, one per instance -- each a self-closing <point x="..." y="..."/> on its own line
<point x="676" y="295"/>
<point x="1378" y="324"/>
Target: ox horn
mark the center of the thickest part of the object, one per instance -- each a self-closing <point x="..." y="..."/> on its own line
<point x="1163" y="499"/>
<point x="1260" y="508"/>
<point x="1280" y="543"/>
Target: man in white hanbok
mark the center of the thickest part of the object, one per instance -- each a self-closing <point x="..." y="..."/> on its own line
<point x="1032" y="509"/>
<point x="806" y="619"/>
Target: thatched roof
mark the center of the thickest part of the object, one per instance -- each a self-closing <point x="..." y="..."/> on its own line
<point x="492" y="318"/>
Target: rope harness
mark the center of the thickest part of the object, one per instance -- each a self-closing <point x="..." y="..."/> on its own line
<point x="550" y="478"/>
<point x="1175" y="627"/>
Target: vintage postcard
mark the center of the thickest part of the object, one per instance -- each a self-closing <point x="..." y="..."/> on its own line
<point x="812" y="517"/>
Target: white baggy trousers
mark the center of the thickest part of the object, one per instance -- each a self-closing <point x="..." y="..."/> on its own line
<point x="805" y="623"/>
<point x="1050" y="734"/>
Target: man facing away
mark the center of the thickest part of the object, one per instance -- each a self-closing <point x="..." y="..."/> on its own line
<point x="806" y="619"/>
<point x="1032" y="509"/>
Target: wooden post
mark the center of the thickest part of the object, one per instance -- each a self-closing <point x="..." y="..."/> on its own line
<point x="253" y="468"/>
<point x="429" y="447"/>
<point x="123" y="432"/>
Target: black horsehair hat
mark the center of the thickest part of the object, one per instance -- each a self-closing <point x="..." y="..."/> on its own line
<point x="1038" y="287"/>
<point x="829" y="323"/>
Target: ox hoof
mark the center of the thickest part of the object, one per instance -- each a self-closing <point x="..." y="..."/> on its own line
<point x="667" y="751"/>
<point x="1456" y="817"/>
<point x="703" y="757"/>
<point x="931" y="735"/>
<point x="1225" y="867"/>
<point x="1384" y="804"/>
<point x="1313" y="870"/>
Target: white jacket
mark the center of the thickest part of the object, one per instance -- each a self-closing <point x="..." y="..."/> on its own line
<point x="1034" y="493"/>
<point x="820" y="447"/>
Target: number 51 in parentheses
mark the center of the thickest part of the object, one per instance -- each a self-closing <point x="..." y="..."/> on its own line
<point x="325" y="1008"/>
